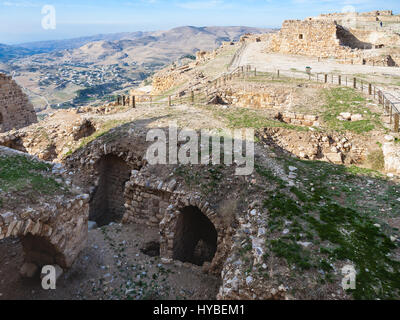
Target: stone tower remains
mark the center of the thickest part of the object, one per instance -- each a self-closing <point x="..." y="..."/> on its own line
<point x="15" y="109"/>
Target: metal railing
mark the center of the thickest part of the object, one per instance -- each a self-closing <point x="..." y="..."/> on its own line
<point x="200" y="94"/>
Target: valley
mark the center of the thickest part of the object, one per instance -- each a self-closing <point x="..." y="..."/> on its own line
<point x="88" y="71"/>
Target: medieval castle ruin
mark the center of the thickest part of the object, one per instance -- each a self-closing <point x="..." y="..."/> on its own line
<point x="325" y="37"/>
<point x="261" y="236"/>
<point x="15" y="109"/>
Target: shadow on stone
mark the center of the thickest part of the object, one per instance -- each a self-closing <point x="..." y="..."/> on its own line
<point x="195" y="237"/>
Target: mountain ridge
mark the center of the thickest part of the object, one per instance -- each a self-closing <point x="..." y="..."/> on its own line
<point x="31" y="48"/>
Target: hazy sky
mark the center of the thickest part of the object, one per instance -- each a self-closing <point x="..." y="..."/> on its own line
<point x="21" y="20"/>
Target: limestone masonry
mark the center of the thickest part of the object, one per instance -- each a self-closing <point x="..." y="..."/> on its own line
<point x="325" y="38"/>
<point x="15" y="109"/>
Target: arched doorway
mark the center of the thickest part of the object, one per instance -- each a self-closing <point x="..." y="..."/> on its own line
<point x="195" y="238"/>
<point x="107" y="204"/>
<point x="40" y="251"/>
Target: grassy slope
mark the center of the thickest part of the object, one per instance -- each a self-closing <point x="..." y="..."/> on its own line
<point x="336" y="210"/>
<point x="19" y="175"/>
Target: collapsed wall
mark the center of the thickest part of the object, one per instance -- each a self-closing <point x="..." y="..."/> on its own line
<point x="15" y="109"/>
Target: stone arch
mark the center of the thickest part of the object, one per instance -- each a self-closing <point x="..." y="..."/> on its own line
<point x="41" y="251"/>
<point x="195" y="237"/>
<point x="39" y="245"/>
<point x="107" y="203"/>
<point x="169" y="226"/>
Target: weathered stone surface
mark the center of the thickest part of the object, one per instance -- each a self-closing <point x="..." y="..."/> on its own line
<point x="391" y="153"/>
<point x="15" y="109"/>
<point x="325" y="38"/>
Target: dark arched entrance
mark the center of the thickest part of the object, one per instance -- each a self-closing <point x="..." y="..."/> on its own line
<point x="107" y="204"/>
<point x="1" y="121"/>
<point x="195" y="237"/>
<point x="40" y="251"/>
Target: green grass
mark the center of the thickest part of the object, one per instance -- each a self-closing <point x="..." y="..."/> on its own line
<point x="351" y="235"/>
<point x="207" y="180"/>
<point x="376" y="160"/>
<point x="18" y="173"/>
<point x="336" y="210"/>
<point x="340" y="100"/>
<point x="245" y="118"/>
<point x="104" y="130"/>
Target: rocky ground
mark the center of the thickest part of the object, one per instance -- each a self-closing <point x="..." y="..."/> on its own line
<point x="112" y="266"/>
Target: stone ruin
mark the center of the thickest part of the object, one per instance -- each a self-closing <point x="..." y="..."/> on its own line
<point x="371" y="16"/>
<point x="52" y="233"/>
<point x="123" y="190"/>
<point x="15" y="109"/>
<point x="326" y="39"/>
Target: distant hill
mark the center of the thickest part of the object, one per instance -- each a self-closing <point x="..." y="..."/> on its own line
<point x="56" y="45"/>
<point x="217" y="33"/>
<point x="11" y="52"/>
<point x="73" y="72"/>
<point x="151" y="48"/>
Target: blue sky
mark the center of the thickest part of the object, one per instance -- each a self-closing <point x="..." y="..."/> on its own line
<point x="20" y="20"/>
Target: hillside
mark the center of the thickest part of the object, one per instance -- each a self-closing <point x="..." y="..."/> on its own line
<point x="78" y="71"/>
<point x="14" y="52"/>
<point x="208" y="33"/>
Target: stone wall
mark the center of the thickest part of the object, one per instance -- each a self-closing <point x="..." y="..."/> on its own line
<point x="146" y="203"/>
<point x="15" y="109"/>
<point x="298" y="119"/>
<point x="377" y="15"/>
<point x="157" y="203"/>
<point x="267" y="98"/>
<point x="53" y="232"/>
<point x="61" y="225"/>
<point x="382" y="61"/>
<point x="391" y="153"/>
<point x="326" y="39"/>
<point x="377" y="38"/>
<point x="107" y="204"/>
<point x="314" y="38"/>
<point x="334" y="148"/>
